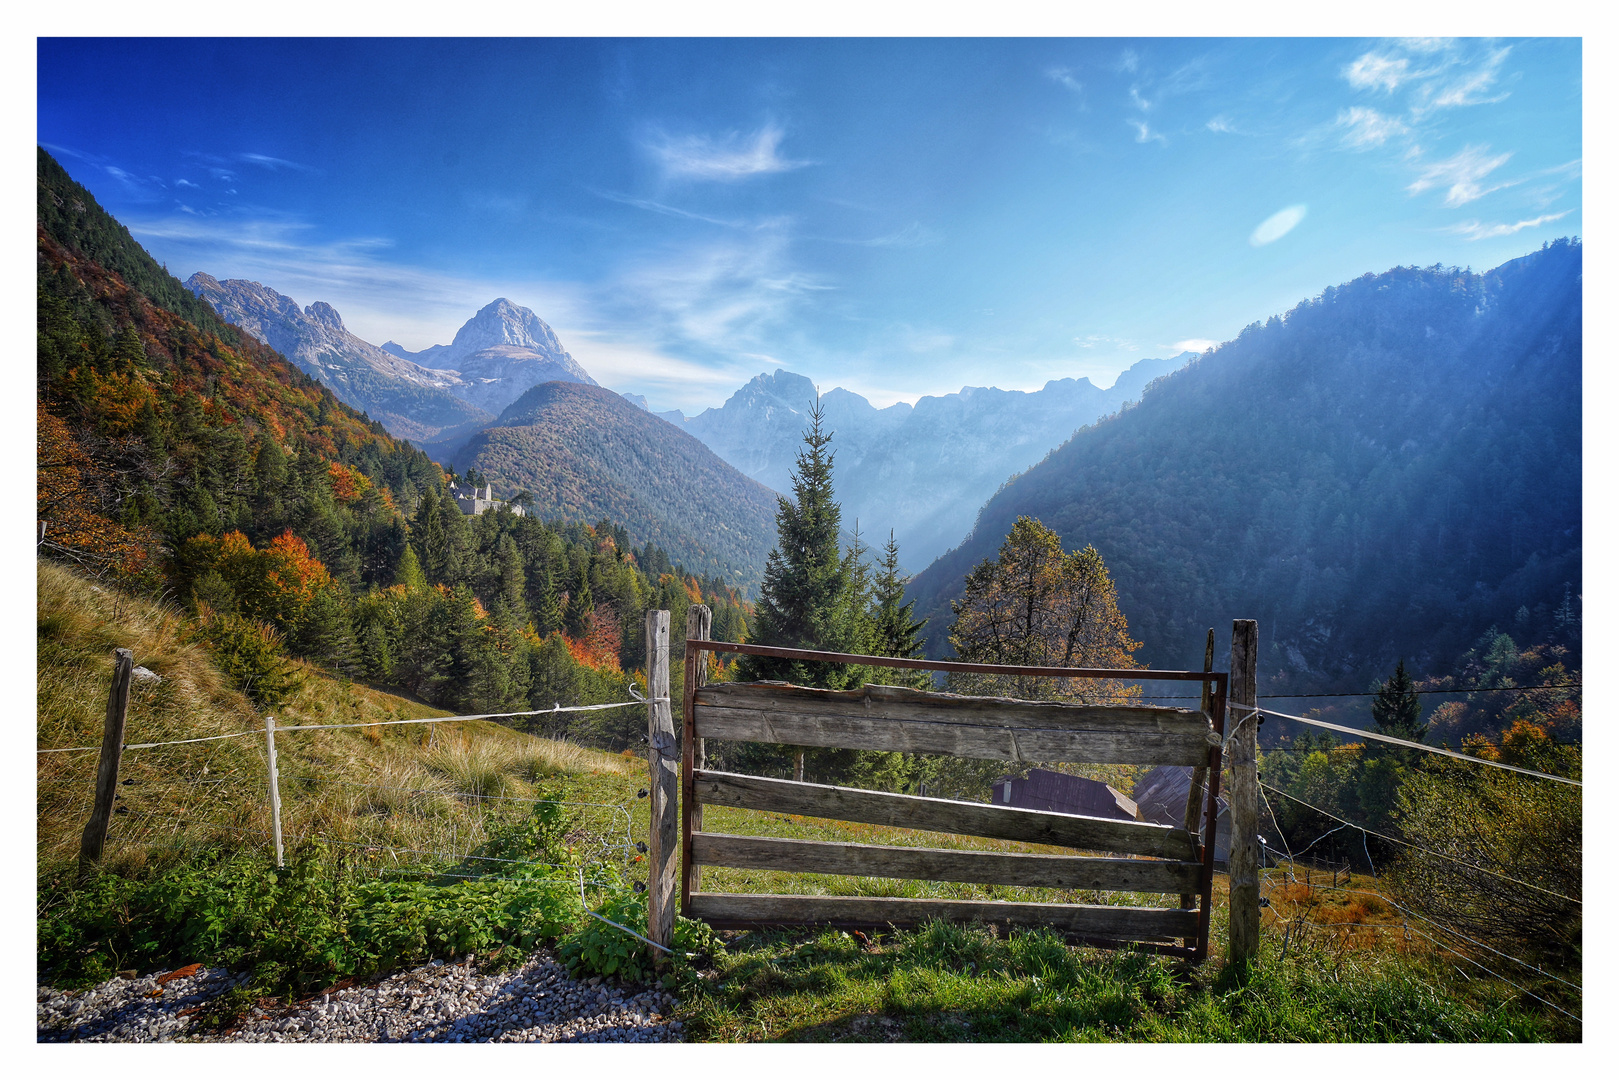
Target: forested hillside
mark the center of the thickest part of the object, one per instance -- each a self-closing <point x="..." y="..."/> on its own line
<point x="584" y="452"/>
<point x="180" y="458"/>
<point x="1385" y="471"/>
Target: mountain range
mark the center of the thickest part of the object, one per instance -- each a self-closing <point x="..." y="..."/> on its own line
<point x="438" y="394"/>
<point x="923" y="470"/>
<point x="1389" y="470"/>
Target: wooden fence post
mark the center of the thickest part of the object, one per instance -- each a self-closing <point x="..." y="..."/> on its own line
<point x="1200" y="774"/>
<point x="663" y="761"/>
<point x="275" y="787"/>
<point x="1243" y="865"/>
<point x="112" y="752"/>
<point x="699" y="620"/>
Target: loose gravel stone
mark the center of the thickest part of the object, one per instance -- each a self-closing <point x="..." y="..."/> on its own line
<point x="437" y="1002"/>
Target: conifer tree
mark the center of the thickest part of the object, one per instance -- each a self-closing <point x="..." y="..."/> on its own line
<point x="1397" y="711"/>
<point x="803" y="601"/>
<point x="547" y="612"/>
<point x="409" y="571"/>
<point x="895" y="632"/>
<point x="580" y="604"/>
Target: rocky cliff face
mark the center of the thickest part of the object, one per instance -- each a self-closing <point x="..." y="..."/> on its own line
<point x="921" y="471"/>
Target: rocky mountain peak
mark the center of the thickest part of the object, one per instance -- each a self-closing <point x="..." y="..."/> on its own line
<point x="502" y="322"/>
<point x="325" y="314"/>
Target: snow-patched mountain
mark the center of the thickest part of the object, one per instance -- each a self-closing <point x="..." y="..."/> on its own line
<point x="443" y="392"/>
<point x="411" y="401"/>
<point x="921" y="471"/>
<point x="501" y="351"/>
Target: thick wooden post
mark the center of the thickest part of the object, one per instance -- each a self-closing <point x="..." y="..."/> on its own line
<point x="663" y="759"/>
<point x="1200" y="774"/>
<point x="275" y="787"/>
<point x="112" y="752"/>
<point x="1243" y="867"/>
<point x="699" y="619"/>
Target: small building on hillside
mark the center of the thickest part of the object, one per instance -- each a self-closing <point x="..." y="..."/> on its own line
<point x="477" y="500"/>
<point x="1063" y="793"/>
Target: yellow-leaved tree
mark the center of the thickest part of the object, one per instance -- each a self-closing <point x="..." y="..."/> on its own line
<point x="1037" y="605"/>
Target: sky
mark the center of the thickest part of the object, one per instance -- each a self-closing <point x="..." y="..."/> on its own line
<point x="897" y="217"/>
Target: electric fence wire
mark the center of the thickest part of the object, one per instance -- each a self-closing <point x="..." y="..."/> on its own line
<point x="1379" y="737"/>
<point x="374" y="723"/>
<point x="1536" y="968"/>
<point x="1414" y="847"/>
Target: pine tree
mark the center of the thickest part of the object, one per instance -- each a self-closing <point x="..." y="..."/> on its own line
<point x="803" y="597"/>
<point x="580" y="604"/>
<point x="547" y="612"/>
<point x="894" y="631"/>
<point x="409" y="571"/>
<point x="1396" y="711"/>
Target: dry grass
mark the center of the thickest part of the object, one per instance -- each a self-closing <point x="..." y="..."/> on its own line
<point x="415" y="788"/>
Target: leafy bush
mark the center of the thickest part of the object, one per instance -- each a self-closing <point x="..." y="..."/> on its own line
<point x="298" y="928"/>
<point x="251" y="653"/>
<point x="599" y="949"/>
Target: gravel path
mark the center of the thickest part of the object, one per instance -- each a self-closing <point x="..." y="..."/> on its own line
<point x="435" y="1003"/>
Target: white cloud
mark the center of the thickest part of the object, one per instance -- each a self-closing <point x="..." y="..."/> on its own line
<point x="1477" y="230"/>
<point x="1366" y="128"/>
<point x="913" y="235"/>
<point x="731" y="157"/>
<point x="1374" y="72"/>
<point x="1277" y="225"/>
<point x="1196" y="345"/>
<point x="1138" y="101"/>
<point x="186" y="183"/>
<point x="1065" y="77"/>
<point x="1144" y="133"/>
<point x="1129" y="60"/>
<point x="1463" y="174"/>
<point x="1467" y="88"/>
<point x="274" y="164"/>
<point x="1220" y="125"/>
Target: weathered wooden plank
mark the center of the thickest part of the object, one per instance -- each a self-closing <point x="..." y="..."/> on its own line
<point x="941" y="864"/>
<point x="698" y="620"/>
<point x="1096" y="920"/>
<point x="905" y="703"/>
<point x="943" y="815"/>
<point x="960" y="739"/>
<point x="1200" y="774"/>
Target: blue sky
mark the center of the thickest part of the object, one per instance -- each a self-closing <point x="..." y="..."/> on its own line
<point x="897" y="217"/>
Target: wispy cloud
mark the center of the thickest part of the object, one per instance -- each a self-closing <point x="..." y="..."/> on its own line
<point x="1467" y="87"/>
<point x="1092" y="341"/>
<point x="1144" y="133"/>
<point x="187" y="183"/>
<point x="274" y="164"/>
<point x="913" y="235"/>
<point x="670" y="211"/>
<point x="733" y="156"/>
<point x="1376" y="72"/>
<point x="1222" y="125"/>
<point x="1462" y="174"/>
<point x="1196" y="345"/>
<point x="1277" y="225"/>
<point x="1129" y="60"/>
<point x="1365" y="128"/>
<point x="1065" y="77"/>
<point x="1477" y="230"/>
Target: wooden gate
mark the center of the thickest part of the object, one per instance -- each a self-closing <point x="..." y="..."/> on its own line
<point x="1140" y="857"/>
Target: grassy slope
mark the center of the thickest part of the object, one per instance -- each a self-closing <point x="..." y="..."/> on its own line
<point x="206" y="792"/>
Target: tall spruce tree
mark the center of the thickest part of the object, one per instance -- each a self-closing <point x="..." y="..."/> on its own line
<point x="895" y="629"/>
<point x="1397" y="711"/>
<point x="803" y="599"/>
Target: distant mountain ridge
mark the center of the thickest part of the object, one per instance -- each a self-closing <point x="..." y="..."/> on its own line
<point x="440" y="393"/>
<point x="921" y="471"/>
<point x="1385" y="471"/>
<point x="585" y="453"/>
